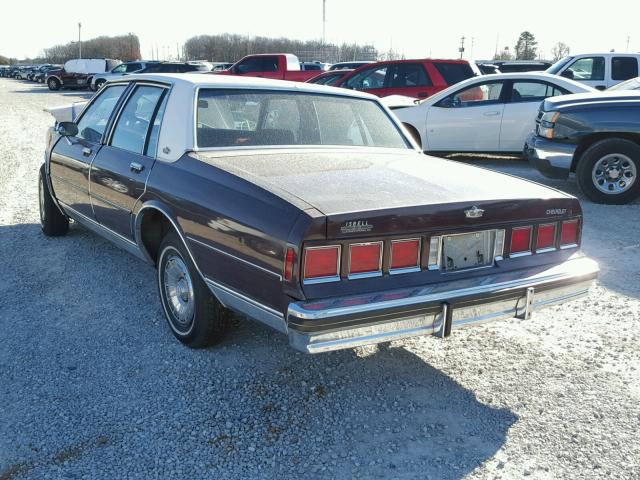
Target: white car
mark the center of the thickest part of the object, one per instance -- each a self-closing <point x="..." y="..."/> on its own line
<point x="491" y="113"/>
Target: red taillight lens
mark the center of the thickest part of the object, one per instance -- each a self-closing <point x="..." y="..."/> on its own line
<point x="570" y="232"/>
<point x="365" y="258"/>
<point x="405" y="253"/>
<point x="288" y="264"/>
<point x="546" y="236"/>
<point x="521" y="239"/>
<point x="321" y="262"/>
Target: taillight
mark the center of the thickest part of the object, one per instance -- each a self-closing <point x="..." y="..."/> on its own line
<point x="434" y="253"/>
<point x="570" y="233"/>
<point x="289" y="260"/>
<point x="322" y="262"/>
<point x="365" y="258"/>
<point x="521" y="240"/>
<point x="405" y="254"/>
<point x="546" y="236"/>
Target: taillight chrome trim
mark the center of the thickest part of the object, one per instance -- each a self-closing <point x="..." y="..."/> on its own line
<point x="435" y="245"/>
<point x="521" y="253"/>
<point x="416" y="268"/>
<point x="373" y="273"/>
<point x="333" y="278"/>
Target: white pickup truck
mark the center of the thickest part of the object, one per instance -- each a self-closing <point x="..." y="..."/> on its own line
<point x="598" y="70"/>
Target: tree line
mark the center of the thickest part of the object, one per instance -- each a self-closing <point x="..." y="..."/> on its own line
<point x="228" y="47"/>
<point x="526" y="48"/>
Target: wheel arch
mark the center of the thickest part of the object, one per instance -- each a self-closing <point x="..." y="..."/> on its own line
<point x="589" y="140"/>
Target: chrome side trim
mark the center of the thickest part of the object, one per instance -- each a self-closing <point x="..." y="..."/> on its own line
<point x="246" y="262"/>
<point x="248" y="306"/>
<point x="122" y="242"/>
<point x="100" y="198"/>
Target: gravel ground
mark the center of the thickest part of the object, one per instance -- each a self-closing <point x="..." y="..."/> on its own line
<point x="93" y="385"/>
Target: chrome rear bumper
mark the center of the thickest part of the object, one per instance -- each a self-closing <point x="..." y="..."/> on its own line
<point x="347" y="322"/>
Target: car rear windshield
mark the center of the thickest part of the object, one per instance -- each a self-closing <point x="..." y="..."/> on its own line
<point x="241" y="118"/>
<point x="454" y="72"/>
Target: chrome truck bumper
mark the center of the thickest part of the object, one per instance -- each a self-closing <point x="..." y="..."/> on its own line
<point x="347" y="322"/>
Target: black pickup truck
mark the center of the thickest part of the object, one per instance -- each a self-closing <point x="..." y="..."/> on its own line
<point x="597" y="137"/>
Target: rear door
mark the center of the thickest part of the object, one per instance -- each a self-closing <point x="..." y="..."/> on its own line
<point x="622" y="68"/>
<point x="372" y="80"/>
<point x="468" y="120"/>
<point x="121" y="168"/>
<point x="519" y="118"/>
<point x="71" y="157"/>
<point x="410" y="79"/>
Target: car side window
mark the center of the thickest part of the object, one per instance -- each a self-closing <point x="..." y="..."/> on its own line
<point x="132" y="67"/>
<point x="410" y="75"/>
<point x="624" y="68"/>
<point x="154" y="135"/>
<point x="368" y="79"/>
<point x="586" y="68"/>
<point x="534" y="91"/>
<point x="135" y="119"/>
<point x="93" y="122"/>
<point x="120" y="69"/>
<point x="487" y="93"/>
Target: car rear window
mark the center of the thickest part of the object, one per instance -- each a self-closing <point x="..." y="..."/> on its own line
<point x="241" y="118"/>
<point x="454" y="72"/>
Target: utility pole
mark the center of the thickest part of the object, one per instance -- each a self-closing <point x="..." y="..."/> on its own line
<point x="473" y="42"/>
<point x="628" y="38"/>
<point x="79" y="41"/>
<point x="461" y="49"/>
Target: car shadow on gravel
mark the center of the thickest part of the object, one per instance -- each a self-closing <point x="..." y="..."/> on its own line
<point x="375" y="412"/>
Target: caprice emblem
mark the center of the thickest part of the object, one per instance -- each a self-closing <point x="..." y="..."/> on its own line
<point x="356" y="226"/>
<point x="474" y="212"/>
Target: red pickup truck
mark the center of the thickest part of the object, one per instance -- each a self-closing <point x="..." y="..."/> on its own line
<point x="279" y="66"/>
<point x="412" y="78"/>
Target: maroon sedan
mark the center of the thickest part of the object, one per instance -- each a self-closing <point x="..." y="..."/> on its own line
<point x="304" y="207"/>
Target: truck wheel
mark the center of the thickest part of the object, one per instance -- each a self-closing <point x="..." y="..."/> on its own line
<point x="53" y="83"/>
<point x="195" y="316"/>
<point x="52" y="221"/>
<point x="608" y="171"/>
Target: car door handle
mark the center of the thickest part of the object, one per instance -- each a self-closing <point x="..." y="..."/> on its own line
<point x="601" y="87"/>
<point x="136" y="167"/>
<point x="86" y="152"/>
<point x="491" y="114"/>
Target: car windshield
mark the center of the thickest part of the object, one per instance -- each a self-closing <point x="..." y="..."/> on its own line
<point x="234" y="118"/>
<point x="559" y="65"/>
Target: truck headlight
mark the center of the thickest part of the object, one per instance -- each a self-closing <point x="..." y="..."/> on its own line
<point x="547" y="124"/>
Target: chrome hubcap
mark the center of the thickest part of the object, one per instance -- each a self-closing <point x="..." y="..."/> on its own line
<point x="614" y="173"/>
<point x="178" y="290"/>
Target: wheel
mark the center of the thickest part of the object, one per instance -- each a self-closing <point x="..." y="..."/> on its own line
<point x="52" y="221"/>
<point x="99" y="84"/>
<point x="608" y="171"/>
<point x="195" y="316"/>
<point x="53" y="83"/>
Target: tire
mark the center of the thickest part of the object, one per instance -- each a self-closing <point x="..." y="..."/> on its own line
<point x="52" y="221"/>
<point x="609" y="171"/>
<point x="194" y="315"/>
<point x="53" y="84"/>
<point x="99" y="84"/>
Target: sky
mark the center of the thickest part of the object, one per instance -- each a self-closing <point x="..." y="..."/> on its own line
<point x="415" y="28"/>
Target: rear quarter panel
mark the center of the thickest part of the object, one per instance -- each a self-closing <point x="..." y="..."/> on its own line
<point x="236" y="231"/>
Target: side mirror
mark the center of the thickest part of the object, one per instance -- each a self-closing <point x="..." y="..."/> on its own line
<point x="67" y="129"/>
<point x="567" y="74"/>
